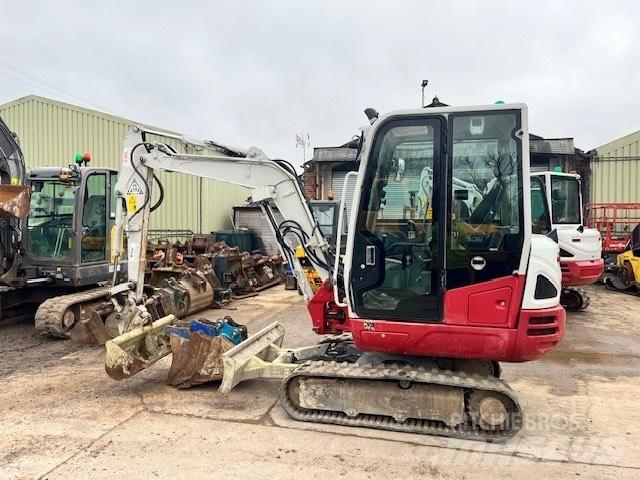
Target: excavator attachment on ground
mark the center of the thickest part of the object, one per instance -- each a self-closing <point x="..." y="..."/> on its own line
<point x="137" y="349"/>
<point x="197" y="350"/>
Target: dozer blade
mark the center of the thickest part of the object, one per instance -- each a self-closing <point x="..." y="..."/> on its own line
<point x="259" y="356"/>
<point x="14" y="201"/>
<point x="137" y="349"/>
<point x="197" y="350"/>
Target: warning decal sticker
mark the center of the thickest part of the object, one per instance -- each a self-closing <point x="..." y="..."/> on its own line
<point x="132" y="204"/>
<point x="134" y="188"/>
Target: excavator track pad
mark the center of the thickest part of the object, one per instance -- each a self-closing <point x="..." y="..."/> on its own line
<point x="402" y="398"/>
<point x="57" y="317"/>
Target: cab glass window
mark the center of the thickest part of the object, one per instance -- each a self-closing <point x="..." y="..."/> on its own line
<point x="50" y="222"/>
<point x="94" y="218"/>
<point x="565" y="200"/>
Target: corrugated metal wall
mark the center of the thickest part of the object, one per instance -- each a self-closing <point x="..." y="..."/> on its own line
<point x="51" y="132"/>
<point x="252" y="218"/>
<point x="616" y="171"/>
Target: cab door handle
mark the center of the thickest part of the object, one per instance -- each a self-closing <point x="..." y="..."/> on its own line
<point x="370" y="255"/>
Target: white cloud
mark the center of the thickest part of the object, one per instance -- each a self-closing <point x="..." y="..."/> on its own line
<point x="256" y="73"/>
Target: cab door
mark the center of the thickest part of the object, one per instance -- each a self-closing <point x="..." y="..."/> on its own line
<point x="94" y="218"/>
<point x="398" y="255"/>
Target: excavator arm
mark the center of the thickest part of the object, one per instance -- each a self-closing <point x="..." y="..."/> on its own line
<point x="14" y="206"/>
<point x="269" y="181"/>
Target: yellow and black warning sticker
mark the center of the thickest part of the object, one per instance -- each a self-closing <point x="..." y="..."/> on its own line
<point x="132" y="203"/>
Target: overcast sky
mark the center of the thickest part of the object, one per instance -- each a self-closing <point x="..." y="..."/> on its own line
<point x="256" y="73"/>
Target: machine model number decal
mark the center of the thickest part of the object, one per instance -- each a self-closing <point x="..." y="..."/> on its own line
<point x="369" y="326"/>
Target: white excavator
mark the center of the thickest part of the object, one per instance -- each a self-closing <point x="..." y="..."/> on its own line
<point x="420" y="310"/>
<point x="581" y="259"/>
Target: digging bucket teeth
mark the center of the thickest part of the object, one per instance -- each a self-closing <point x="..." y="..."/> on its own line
<point x="137" y="349"/>
<point x="259" y="356"/>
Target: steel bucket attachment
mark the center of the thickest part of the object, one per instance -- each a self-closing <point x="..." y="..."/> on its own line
<point x="197" y="348"/>
<point x="259" y="356"/>
<point x="137" y="349"/>
<point x="90" y="330"/>
<point x="14" y="201"/>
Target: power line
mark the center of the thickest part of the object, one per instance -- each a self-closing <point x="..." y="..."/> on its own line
<point x="39" y="83"/>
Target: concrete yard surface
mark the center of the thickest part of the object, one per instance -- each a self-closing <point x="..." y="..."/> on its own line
<point x="62" y="417"/>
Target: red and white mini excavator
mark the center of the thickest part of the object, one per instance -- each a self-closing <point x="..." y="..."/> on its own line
<point x="424" y="304"/>
<point x="581" y="259"/>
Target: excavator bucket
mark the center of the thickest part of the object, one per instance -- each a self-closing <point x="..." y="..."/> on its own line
<point x="259" y="356"/>
<point x="14" y="201"/>
<point x="197" y="350"/>
<point x="90" y="331"/>
<point x="137" y="349"/>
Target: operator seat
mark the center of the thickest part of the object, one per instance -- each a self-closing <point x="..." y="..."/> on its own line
<point x="94" y="214"/>
<point x="487" y="206"/>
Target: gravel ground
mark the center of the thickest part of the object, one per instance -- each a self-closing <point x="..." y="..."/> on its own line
<point x="62" y="417"/>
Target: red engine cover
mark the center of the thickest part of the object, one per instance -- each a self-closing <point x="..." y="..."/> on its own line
<point x="482" y="321"/>
<point x="582" y="272"/>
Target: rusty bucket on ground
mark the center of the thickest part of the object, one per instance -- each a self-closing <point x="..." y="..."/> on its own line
<point x="14" y="201"/>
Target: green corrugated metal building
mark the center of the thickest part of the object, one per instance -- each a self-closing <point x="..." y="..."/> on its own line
<point x="616" y="171"/>
<point x="51" y="132"/>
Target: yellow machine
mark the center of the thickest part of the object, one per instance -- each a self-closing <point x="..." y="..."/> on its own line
<point x="313" y="277"/>
<point x="627" y="273"/>
<point x="628" y="269"/>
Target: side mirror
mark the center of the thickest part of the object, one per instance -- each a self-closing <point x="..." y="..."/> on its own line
<point x="553" y="235"/>
<point x="85" y="231"/>
<point x="581" y="228"/>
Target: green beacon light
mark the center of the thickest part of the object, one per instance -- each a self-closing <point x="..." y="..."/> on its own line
<point x="499" y="102"/>
<point x="78" y="158"/>
<point x="557" y="169"/>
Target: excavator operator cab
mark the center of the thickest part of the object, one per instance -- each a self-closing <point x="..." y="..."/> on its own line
<point x="326" y="214"/>
<point x="580" y="248"/>
<point x="69" y="224"/>
<point x="464" y="227"/>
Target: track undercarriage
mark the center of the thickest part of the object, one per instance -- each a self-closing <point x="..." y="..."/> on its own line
<point x="619" y="281"/>
<point x="332" y="382"/>
<point x="574" y="299"/>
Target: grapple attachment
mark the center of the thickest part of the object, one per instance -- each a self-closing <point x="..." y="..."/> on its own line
<point x="197" y="349"/>
<point x="137" y="349"/>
